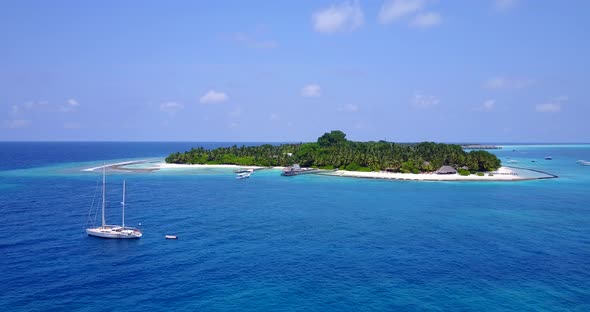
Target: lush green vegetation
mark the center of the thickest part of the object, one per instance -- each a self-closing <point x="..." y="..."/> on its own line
<point x="333" y="150"/>
<point x="464" y="172"/>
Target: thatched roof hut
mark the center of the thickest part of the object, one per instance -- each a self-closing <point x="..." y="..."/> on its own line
<point x="446" y="170"/>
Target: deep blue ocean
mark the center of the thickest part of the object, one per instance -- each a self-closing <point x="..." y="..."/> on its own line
<point x="305" y="243"/>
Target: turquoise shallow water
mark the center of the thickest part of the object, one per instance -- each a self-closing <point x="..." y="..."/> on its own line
<point x="302" y="243"/>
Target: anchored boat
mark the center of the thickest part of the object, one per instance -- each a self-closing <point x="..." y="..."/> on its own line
<point x="244" y="174"/>
<point x="113" y="231"/>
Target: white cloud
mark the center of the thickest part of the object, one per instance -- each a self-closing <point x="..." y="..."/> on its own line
<point x="503" y="5"/>
<point x="311" y="90"/>
<point x="274" y="116"/>
<point x="508" y="83"/>
<point x="346" y="16"/>
<point x="488" y="105"/>
<point x="213" y="96"/>
<point x="424" y="20"/>
<point x="171" y="107"/>
<point x="548" y="107"/>
<point x="393" y="10"/>
<point x="552" y="106"/>
<point x="253" y="42"/>
<point x="425" y="101"/>
<point x="561" y="98"/>
<point x="35" y="107"/>
<point x="30" y="106"/>
<point x="16" y="123"/>
<point x="350" y="108"/>
<point x="70" y="106"/>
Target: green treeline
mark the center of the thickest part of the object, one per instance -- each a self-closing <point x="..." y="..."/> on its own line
<point x="333" y="150"/>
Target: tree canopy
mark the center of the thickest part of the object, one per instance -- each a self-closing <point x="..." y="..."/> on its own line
<point x="332" y="138"/>
<point x="333" y="150"/>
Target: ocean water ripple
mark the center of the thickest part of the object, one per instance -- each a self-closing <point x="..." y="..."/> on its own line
<point x="311" y="243"/>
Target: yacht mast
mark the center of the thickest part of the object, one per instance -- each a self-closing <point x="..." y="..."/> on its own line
<point x="123" y="204"/>
<point x="104" y="169"/>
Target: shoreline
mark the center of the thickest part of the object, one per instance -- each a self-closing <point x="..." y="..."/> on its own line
<point x="504" y="173"/>
<point x="164" y="165"/>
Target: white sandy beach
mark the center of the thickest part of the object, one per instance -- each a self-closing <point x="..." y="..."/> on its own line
<point x="502" y="174"/>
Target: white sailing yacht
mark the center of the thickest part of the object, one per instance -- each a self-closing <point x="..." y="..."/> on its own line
<point x="113" y="231"/>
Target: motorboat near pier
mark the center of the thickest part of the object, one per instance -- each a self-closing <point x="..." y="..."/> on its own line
<point x="297" y="170"/>
<point x="244" y="174"/>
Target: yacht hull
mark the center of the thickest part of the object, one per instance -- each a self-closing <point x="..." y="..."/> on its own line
<point x="108" y="233"/>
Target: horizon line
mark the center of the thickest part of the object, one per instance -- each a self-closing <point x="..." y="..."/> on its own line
<point x="295" y="142"/>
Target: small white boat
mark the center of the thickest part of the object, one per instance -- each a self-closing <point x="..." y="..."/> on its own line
<point x="171" y="237"/>
<point x="583" y="162"/>
<point x="548" y="158"/>
<point x="245" y="174"/>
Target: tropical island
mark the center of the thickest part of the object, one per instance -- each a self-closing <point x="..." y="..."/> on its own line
<point x="333" y="151"/>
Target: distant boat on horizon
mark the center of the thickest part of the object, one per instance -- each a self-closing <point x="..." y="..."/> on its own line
<point x="113" y="231"/>
<point x="548" y="158"/>
<point x="583" y="162"/>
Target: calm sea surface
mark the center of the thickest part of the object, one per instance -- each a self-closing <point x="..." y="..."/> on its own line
<point x="306" y="243"/>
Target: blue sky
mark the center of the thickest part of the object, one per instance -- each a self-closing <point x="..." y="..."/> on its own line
<point x="401" y="70"/>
